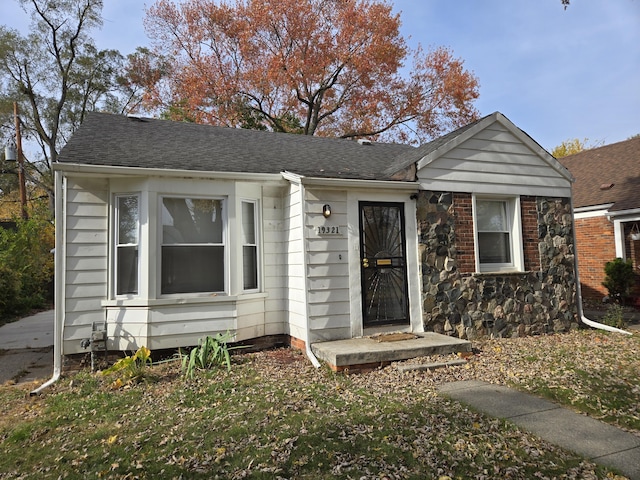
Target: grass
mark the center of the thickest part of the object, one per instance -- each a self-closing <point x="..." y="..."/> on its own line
<point x="271" y="416"/>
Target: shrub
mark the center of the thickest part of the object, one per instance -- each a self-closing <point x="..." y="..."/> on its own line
<point x="26" y="265"/>
<point x="614" y="316"/>
<point x="619" y="278"/>
<point x="131" y="369"/>
<point x="211" y="352"/>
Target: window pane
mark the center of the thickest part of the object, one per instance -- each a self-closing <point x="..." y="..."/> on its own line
<point x="494" y="247"/>
<point x="250" y="267"/>
<point x="248" y="223"/>
<point x="192" y="269"/>
<point x="186" y="220"/>
<point x="127" y="220"/>
<point x="127" y="270"/>
<point x="492" y="216"/>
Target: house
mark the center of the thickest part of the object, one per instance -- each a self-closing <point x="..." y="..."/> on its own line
<point x="606" y="199"/>
<point x="167" y="232"/>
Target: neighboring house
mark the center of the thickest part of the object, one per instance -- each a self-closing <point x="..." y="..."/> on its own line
<point x="171" y="231"/>
<point x="606" y="201"/>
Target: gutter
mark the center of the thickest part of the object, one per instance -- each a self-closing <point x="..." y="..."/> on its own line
<point x="59" y="260"/>
<point x="583" y="318"/>
<point x="297" y="179"/>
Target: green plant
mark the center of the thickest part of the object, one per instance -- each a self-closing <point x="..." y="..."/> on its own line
<point x="131" y="369"/>
<point x="619" y="278"/>
<point x="614" y="316"/>
<point x="211" y="352"/>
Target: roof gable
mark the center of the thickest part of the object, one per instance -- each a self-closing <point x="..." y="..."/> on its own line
<point x="491" y="156"/>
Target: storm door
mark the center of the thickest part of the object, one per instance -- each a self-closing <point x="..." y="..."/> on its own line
<point x="383" y="264"/>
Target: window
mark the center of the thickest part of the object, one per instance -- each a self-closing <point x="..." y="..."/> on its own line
<point x="498" y="238"/>
<point x="127" y="234"/>
<point x="193" y="245"/>
<point x="249" y="247"/>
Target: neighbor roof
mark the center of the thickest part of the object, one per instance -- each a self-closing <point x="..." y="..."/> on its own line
<point x="116" y="140"/>
<point x="607" y="175"/>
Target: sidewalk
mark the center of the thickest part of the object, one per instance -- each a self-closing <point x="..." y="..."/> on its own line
<point x="26" y="349"/>
<point x="600" y="442"/>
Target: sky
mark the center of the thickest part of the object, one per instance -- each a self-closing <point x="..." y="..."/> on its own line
<point x="557" y="74"/>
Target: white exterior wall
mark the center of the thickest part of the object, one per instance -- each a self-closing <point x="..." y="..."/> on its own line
<point x="328" y="265"/>
<point x="294" y="274"/>
<point x="493" y="161"/>
<point x="85" y="250"/>
<point x="150" y="319"/>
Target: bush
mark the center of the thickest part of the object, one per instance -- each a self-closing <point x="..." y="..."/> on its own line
<point x="26" y="265"/>
<point x="619" y="278"/>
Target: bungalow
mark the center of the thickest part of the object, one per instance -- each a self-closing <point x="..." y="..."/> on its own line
<point x="607" y="211"/>
<point x="167" y="232"/>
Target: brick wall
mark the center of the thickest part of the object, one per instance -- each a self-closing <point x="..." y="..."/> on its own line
<point x="464" y="237"/>
<point x="530" y="233"/>
<point x="596" y="246"/>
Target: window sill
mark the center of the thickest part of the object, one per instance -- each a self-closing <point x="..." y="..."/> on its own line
<point x="175" y="301"/>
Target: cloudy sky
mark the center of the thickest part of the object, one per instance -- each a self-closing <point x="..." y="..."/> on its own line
<point x="557" y="74"/>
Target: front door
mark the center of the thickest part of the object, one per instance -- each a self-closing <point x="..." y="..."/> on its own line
<point x="383" y="263"/>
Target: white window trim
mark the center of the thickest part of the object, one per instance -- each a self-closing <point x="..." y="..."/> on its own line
<point x="225" y="243"/>
<point x="515" y="230"/>
<point x="115" y="244"/>
<point x="257" y="244"/>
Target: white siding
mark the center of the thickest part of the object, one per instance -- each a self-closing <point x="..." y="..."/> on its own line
<point x="294" y="265"/>
<point x="327" y="266"/>
<point x="493" y="161"/>
<point x="274" y="259"/>
<point x="86" y="251"/>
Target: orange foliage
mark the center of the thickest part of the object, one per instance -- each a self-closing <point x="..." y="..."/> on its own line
<point x="324" y="67"/>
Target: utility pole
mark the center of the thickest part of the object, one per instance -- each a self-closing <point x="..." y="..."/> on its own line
<point x="23" y="189"/>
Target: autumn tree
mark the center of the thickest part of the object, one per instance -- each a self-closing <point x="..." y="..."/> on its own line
<point x="56" y="74"/>
<point x="573" y="146"/>
<point x="318" y="67"/>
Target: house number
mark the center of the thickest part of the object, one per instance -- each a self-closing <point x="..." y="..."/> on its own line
<point x="324" y="230"/>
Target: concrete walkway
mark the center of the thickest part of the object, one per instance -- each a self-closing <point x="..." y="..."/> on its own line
<point x="602" y="443"/>
<point x="26" y="349"/>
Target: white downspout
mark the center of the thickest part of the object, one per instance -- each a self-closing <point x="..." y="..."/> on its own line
<point x="59" y="266"/>
<point x="298" y="179"/>
<point x="585" y="320"/>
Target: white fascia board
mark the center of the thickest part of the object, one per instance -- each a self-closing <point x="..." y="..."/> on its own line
<point x="625" y="213"/>
<point x="111" y="171"/>
<point x="350" y="182"/>
<point x="591" y="212"/>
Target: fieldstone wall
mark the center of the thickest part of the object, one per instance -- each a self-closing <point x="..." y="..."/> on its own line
<point x="457" y="301"/>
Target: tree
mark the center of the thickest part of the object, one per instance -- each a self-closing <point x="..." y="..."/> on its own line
<point x="56" y="74"/>
<point x="571" y="147"/>
<point x="318" y="67"/>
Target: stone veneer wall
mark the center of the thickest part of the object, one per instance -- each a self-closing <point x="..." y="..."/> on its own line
<point x="457" y="301"/>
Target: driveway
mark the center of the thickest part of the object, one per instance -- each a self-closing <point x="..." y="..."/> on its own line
<point x="26" y="349"/>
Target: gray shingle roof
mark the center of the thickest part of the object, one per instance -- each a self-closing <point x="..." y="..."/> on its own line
<point x="115" y="140"/>
<point x="609" y="174"/>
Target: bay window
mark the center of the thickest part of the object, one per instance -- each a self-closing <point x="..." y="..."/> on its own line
<point x="127" y="214"/>
<point x="193" y="245"/>
<point x="249" y="247"/>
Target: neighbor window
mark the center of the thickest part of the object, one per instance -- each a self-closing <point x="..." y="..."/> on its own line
<point x="249" y="247"/>
<point x="498" y="238"/>
<point x="193" y="245"/>
<point x="127" y="235"/>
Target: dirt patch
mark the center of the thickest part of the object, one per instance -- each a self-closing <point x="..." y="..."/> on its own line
<point x="394" y="337"/>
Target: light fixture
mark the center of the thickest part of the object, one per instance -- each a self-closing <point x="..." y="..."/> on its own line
<point x="326" y="210"/>
<point x="10" y="152"/>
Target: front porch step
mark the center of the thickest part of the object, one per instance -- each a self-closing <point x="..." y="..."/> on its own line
<point x="357" y="354"/>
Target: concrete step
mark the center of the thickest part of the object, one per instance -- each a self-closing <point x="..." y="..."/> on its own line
<point x="365" y="353"/>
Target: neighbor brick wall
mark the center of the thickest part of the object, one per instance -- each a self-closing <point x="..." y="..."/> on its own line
<point x="596" y="246"/>
<point x="464" y="237"/>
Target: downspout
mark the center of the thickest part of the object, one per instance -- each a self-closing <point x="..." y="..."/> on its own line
<point x="59" y="267"/>
<point x="583" y="318"/>
<point x="303" y="206"/>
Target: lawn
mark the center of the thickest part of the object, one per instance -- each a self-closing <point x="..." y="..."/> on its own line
<point x="274" y="416"/>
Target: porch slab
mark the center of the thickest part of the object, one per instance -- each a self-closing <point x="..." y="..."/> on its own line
<point x="366" y="353"/>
